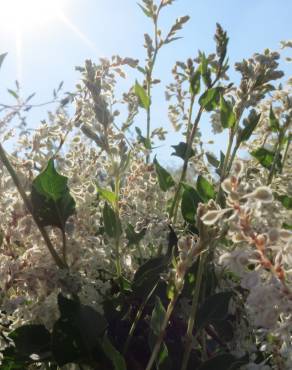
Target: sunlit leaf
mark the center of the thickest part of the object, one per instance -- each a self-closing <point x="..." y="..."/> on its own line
<point x="144" y="99"/>
<point x="112" y="223"/>
<point x="205" y="189"/>
<point x="228" y="118"/>
<point x="165" y="179"/>
<point x="51" y="200"/>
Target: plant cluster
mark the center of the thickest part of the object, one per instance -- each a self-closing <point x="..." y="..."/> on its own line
<point x="109" y="261"/>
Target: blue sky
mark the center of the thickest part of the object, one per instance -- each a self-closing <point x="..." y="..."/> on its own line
<point x="51" y="51"/>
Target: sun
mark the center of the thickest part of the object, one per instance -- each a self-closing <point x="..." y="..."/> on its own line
<point x="22" y="15"/>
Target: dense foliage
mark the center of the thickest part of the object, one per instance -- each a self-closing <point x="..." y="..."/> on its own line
<point x="108" y="260"/>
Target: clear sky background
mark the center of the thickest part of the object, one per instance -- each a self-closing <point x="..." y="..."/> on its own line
<point x="49" y="52"/>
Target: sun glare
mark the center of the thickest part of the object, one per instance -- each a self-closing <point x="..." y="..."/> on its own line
<point x="28" y="17"/>
<point x="25" y="14"/>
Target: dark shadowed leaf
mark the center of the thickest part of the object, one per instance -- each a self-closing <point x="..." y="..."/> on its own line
<point x="2" y="57"/>
<point x="31" y="339"/>
<point x="113" y="354"/>
<point x="156" y="323"/>
<point x="224" y="361"/>
<point x="181" y="150"/>
<point x="274" y="122"/>
<point x="249" y="125"/>
<point x="214" y="308"/>
<point x="77" y="332"/>
<point x="148" y="275"/>
<point x="195" y="83"/>
<point x="132" y="236"/>
<point x="142" y="139"/>
<point x="205" y="71"/>
<point x="210" y="99"/>
<point x="212" y="160"/>
<point x="157" y="317"/>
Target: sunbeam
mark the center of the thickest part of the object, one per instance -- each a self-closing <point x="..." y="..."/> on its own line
<point x="62" y="17"/>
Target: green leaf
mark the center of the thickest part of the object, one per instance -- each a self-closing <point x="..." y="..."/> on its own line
<point x="132" y="236"/>
<point x="112" y="223"/>
<point x="31" y="339"/>
<point x="228" y="118"/>
<point x="181" y="149"/>
<point x="195" y="83"/>
<point x="157" y="317"/>
<point x="224" y="361"/>
<point x="108" y="195"/>
<point x="13" y="93"/>
<point x="2" y="57"/>
<point x="274" y="122"/>
<point x="264" y="156"/>
<point x="285" y="200"/>
<point x="156" y="324"/>
<point x="205" y="71"/>
<point x="287" y="226"/>
<point x="189" y="203"/>
<point x="77" y="332"/>
<point x="205" y="189"/>
<point x="214" y="308"/>
<point x="142" y="139"/>
<point x="165" y="179"/>
<point x="144" y="99"/>
<point x="148" y="275"/>
<point x="145" y="11"/>
<point x="250" y="123"/>
<point x="113" y="354"/>
<point x="51" y="200"/>
<point x="212" y="159"/>
<point x="210" y="99"/>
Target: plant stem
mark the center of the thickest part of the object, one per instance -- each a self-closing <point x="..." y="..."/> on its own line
<point x="117" y="239"/>
<point x="162" y="332"/>
<point x="10" y="169"/>
<point x="64" y="249"/>
<point x="194" y="308"/>
<point x="285" y="154"/>
<point x="149" y="81"/>
<point x="276" y="157"/>
<point x="174" y="206"/>
<point x="137" y="318"/>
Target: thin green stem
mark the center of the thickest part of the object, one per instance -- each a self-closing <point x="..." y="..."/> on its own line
<point x="64" y="247"/>
<point x="159" y="340"/>
<point x="10" y="169"/>
<point x="137" y="319"/>
<point x="117" y="239"/>
<point x="174" y="206"/>
<point x="194" y="308"/>
<point x="285" y="154"/>
<point x="276" y="158"/>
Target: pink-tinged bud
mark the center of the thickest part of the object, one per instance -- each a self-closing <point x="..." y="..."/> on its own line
<point x="238" y="168"/>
